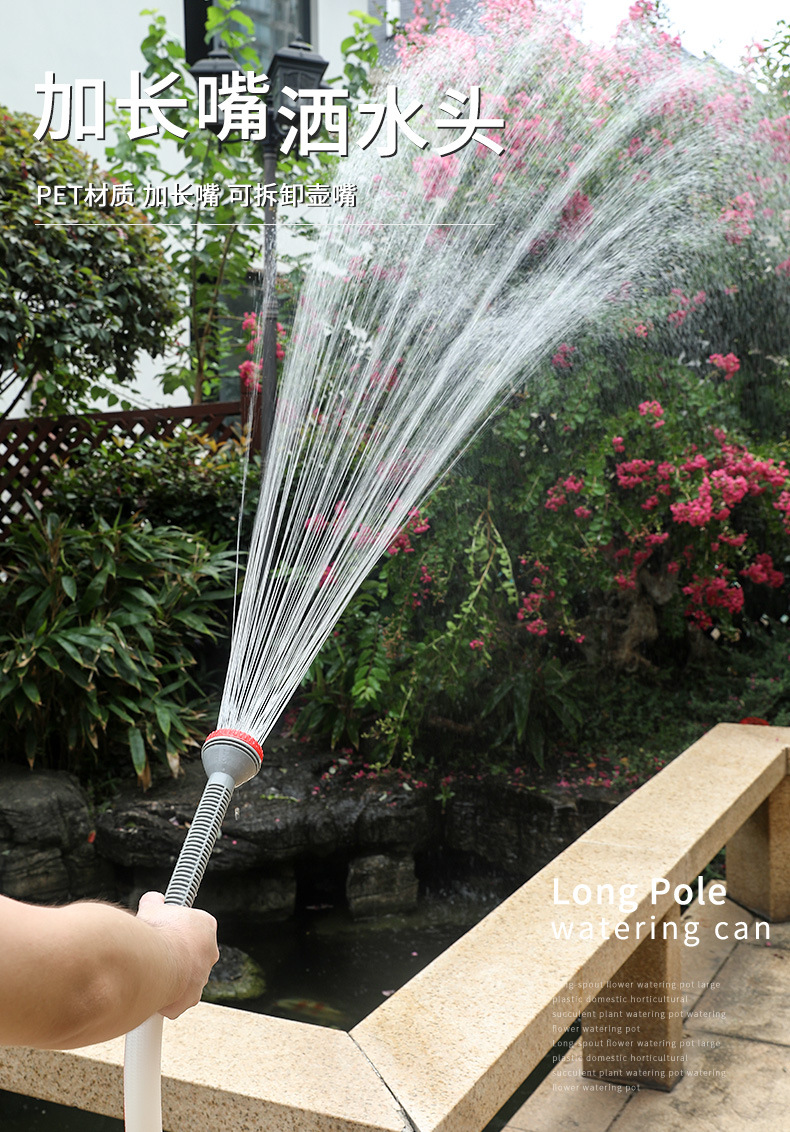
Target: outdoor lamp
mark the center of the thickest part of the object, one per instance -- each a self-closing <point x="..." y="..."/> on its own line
<point x="218" y="65"/>
<point x="296" y="66"/>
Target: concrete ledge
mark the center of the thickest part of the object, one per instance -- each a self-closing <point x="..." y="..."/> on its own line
<point x="445" y="1052"/>
<point x="225" y="1069"/>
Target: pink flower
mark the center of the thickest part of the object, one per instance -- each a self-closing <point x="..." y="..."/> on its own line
<point x="563" y="358"/>
<point x="437" y="174"/>
<point x="477" y="644"/>
<point x="249" y="371"/>
<point x="728" y="363"/>
<point x="576" y="215"/>
<point x="538" y="628"/>
<point x="738" y="218"/>
<point x="763" y="573"/>
<point x="641" y="331"/>
<point x="651" y="409"/>
<point x="624" y="582"/>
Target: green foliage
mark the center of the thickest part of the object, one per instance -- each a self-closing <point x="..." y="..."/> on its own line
<point x="211" y="248"/>
<point x="99" y="631"/>
<point x="360" y="55"/>
<point x="773" y="60"/>
<point x="424" y="648"/>
<point x="188" y="481"/>
<point x="85" y="289"/>
<point x="215" y="250"/>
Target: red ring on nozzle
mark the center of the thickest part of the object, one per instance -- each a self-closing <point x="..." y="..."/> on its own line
<point x="232" y="733"/>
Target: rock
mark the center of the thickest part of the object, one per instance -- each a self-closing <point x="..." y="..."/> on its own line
<point x="38" y="875"/>
<point x="274" y="818"/>
<point x="46" y="854"/>
<point x="515" y="829"/>
<point x="234" y="977"/>
<point x="296" y="818"/>
<point x="42" y="808"/>
<point x="258" y="892"/>
<point x="380" y="883"/>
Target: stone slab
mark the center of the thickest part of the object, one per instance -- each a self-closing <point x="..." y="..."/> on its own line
<point x="752" y="1000"/>
<point x="619" y="1048"/>
<point x="758" y="858"/>
<point x="780" y="936"/>
<point x="701" y="798"/>
<point x="225" y="1069"/>
<point x="740" y="1086"/>
<point x="456" y="1042"/>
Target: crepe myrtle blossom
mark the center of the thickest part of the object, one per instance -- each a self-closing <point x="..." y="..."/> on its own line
<point x="763" y="572"/>
<point x="727" y="363"/>
<point x="563" y="359"/>
<point x="652" y="409"/>
<point x="249" y="371"/>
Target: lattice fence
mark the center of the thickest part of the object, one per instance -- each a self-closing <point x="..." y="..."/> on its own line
<point x="33" y="448"/>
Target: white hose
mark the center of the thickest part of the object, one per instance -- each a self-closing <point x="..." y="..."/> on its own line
<point x="142" y="1090"/>
<point x="142" y="1075"/>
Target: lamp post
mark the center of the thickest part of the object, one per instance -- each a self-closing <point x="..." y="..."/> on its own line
<point x="298" y="68"/>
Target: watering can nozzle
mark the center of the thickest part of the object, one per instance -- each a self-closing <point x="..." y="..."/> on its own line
<point x="232" y="752"/>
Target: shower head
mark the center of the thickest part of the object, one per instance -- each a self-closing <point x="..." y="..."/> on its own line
<point x="231" y="752"/>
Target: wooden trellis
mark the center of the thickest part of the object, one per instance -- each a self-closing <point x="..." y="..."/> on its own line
<point x="31" y="449"/>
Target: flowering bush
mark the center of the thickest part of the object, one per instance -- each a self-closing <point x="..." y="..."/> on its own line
<point x="635" y="502"/>
<point x="668" y="514"/>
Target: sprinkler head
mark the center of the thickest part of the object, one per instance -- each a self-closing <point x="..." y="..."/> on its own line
<point x="231" y="752"/>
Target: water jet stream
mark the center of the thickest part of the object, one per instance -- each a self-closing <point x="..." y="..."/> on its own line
<point x="418" y="318"/>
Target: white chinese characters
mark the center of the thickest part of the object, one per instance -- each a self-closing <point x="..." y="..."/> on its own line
<point x="307" y="121"/>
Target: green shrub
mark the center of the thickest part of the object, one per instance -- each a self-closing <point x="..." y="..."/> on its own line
<point x="99" y="632"/>
<point x="189" y="481"/>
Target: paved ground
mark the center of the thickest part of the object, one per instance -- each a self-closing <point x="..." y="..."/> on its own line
<point x="737" y="1037"/>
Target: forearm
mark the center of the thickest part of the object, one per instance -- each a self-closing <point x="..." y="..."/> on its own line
<point x="81" y="974"/>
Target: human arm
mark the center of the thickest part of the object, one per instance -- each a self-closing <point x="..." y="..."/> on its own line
<point x="87" y="972"/>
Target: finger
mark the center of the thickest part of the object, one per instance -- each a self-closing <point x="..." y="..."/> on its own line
<point x="151" y="900"/>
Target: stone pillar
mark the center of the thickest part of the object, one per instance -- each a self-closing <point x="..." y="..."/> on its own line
<point x="632" y="1029"/>
<point x="758" y="858"/>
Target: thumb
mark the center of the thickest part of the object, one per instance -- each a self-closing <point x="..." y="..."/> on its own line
<point x="151" y="900"/>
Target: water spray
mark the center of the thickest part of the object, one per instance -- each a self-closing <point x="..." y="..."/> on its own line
<point x="418" y="318"/>
<point x="230" y="758"/>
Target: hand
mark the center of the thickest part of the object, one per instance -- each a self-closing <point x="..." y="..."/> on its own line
<point x="191" y="938"/>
